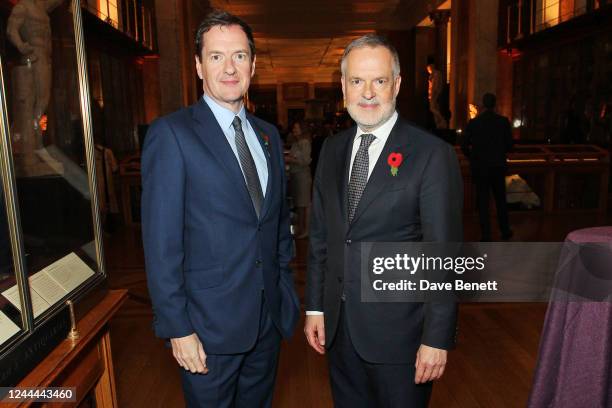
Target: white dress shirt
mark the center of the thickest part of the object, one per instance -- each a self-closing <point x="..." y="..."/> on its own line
<point x="376" y="147"/>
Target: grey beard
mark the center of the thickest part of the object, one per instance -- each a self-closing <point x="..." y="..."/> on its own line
<point x="371" y="128"/>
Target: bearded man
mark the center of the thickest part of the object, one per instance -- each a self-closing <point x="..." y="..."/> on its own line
<point x="382" y="180"/>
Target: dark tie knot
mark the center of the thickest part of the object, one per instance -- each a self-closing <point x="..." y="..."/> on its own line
<point x="237" y="123"/>
<point x="366" y="140"/>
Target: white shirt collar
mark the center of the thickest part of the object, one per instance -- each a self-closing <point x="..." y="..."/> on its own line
<point x="224" y="116"/>
<point x="382" y="132"/>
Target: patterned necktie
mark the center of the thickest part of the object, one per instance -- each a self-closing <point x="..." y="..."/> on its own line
<point x="359" y="174"/>
<point x="248" y="166"/>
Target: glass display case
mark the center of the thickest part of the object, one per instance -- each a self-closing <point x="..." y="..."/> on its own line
<point x="50" y="236"/>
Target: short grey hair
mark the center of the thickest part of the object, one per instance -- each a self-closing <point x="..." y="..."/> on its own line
<point x="372" y="41"/>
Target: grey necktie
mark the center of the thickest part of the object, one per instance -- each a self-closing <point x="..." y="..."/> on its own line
<point x="248" y="166"/>
<point x="359" y="174"/>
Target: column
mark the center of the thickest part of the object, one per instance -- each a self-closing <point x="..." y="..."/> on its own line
<point x="440" y="18"/>
<point x="175" y="28"/>
<point x="474" y="55"/>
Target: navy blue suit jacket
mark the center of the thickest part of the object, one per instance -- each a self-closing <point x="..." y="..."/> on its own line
<point x="208" y="257"/>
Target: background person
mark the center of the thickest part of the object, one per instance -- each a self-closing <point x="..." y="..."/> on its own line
<point x="487" y="140"/>
<point x="300" y="181"/>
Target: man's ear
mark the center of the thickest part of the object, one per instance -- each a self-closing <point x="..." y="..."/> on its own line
<point x="198" y="64"/>
<point x="253" y="65"/>
<point x="397" y="82"/>
<point x="343" y="86"/>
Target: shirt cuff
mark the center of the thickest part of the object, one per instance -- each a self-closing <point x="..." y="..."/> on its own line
<point x="313" y="313"/>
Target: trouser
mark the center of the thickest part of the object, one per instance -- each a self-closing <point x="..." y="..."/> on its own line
<point x="356" y="383"/>
<point x="238" y="380"/>
<point x="491" y="179"/>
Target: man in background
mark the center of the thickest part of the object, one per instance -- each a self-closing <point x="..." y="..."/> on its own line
<point x="487" y="140"/>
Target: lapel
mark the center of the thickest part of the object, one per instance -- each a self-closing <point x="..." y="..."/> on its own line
<point x="214" y="139"/>
<point x="273" y="165"/>
<point x="343" y="162"/>
<point x="398" y="142"/>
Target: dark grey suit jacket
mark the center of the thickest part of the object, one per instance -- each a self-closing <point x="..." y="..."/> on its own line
<point x="422" y="203"/>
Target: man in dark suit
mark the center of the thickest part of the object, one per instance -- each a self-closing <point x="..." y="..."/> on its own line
<point x="380" y="354"/>
<point x="216" y="230"/>
<point x="487" y="139"/>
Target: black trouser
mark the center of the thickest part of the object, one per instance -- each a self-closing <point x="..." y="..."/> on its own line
<point x="356" y="383"/>
<point x="491" y="179"/>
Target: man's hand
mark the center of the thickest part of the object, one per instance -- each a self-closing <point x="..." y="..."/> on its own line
<point x="430" y="364"/>
<point x="189" y="353"/>
<point x="314" y="328"/>
<point x="26" y="49"/>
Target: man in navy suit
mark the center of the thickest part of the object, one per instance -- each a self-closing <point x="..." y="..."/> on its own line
<point x="383" y="180"/>
<point x="216" y="230"/>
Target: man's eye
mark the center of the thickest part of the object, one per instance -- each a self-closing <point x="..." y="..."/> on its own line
<point x="381" y="81"/>
<point x="355" y="81"/>
<point x="240" y="57"/>
<point x="215" y="57"/>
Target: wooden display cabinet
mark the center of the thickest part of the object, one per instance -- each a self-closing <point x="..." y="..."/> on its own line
<point x="50" y="232"/>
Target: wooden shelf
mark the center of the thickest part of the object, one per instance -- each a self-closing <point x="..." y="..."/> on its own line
<point x="85" y="363"/>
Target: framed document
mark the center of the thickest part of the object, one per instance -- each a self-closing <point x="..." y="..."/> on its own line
<point x="7" y="328"/>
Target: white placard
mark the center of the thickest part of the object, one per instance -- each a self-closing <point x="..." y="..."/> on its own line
<point x="46" y="287"/>
<point x="7" y="328"/>
<point x="69" y="272"/>
<point x="50" y="285"/>
<point x="38" y="303"/>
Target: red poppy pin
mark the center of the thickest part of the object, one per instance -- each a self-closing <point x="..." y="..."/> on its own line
<point x="266" y="139"/>
<point x="395" y="160"/>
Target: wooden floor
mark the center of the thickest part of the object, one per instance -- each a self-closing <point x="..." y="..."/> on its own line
<point x="491" y="367"/>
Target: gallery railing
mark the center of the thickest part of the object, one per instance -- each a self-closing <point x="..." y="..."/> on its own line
<point x="135" y="18"/>
<point x="528" y="17"/>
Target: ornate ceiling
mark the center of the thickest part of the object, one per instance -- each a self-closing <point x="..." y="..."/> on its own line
<point x="303" y="40"/>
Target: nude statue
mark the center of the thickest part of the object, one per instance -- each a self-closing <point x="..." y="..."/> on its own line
<point x="435" y="88"/>
<point x="29" y="29"/>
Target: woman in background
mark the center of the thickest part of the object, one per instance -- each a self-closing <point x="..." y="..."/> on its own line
<point x="300" y="182"/>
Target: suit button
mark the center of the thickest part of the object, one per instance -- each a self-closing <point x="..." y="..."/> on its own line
<point x="339" y="279"/>
<point x="343" y="297"/>
<point x="348" y="242"/>
<point x="258" y="263"/>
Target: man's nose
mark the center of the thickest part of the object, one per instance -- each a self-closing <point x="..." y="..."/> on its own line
<point x="368" y="91"/>
<point x="229" y="67"/>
